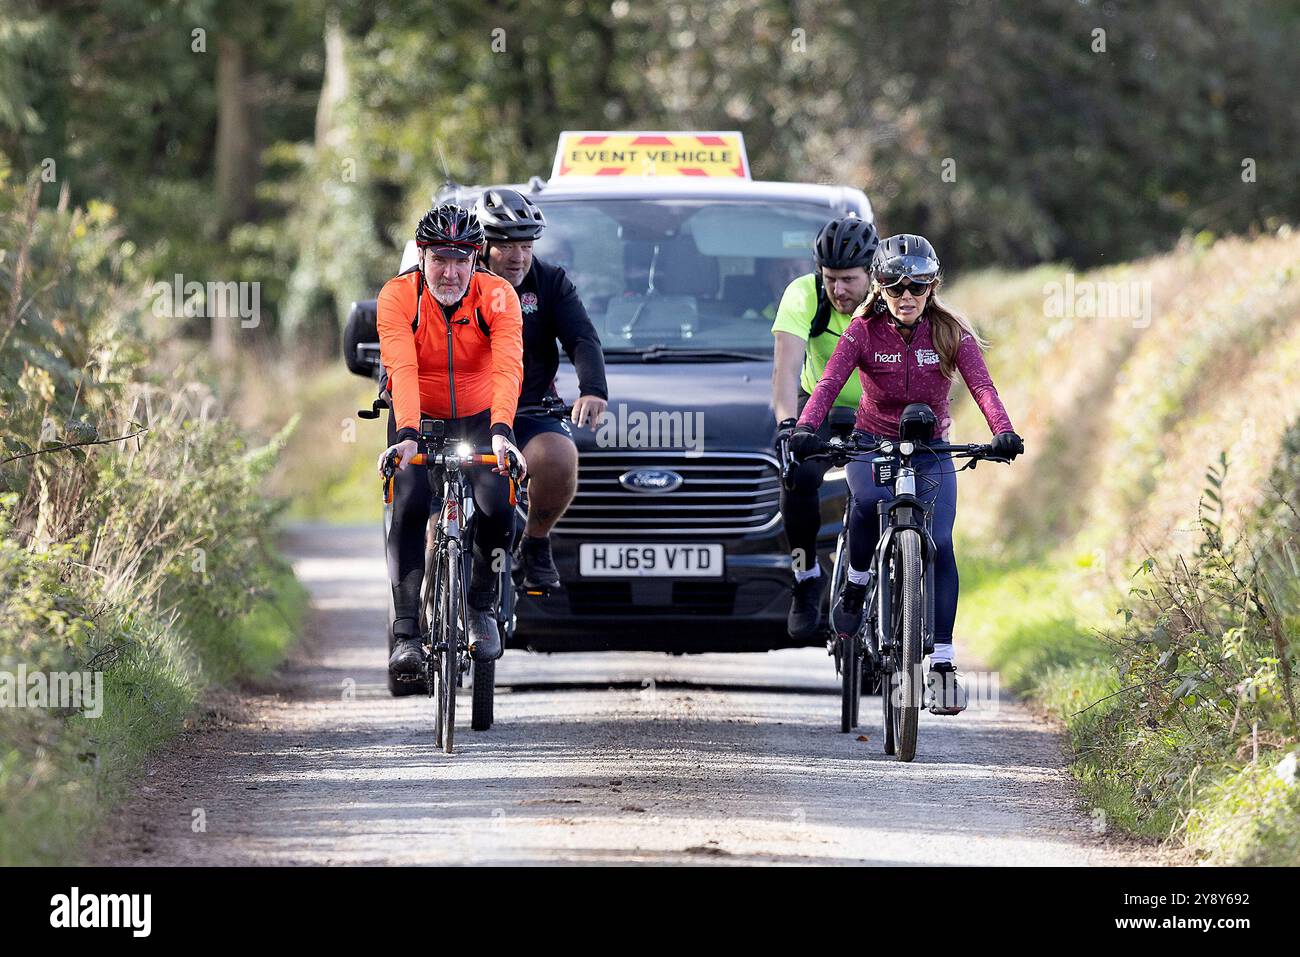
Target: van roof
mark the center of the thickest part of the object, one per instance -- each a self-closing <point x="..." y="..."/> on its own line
<point x="834" y="198"/>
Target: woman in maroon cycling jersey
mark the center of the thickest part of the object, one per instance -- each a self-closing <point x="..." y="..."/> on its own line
<point x="907" y="347"/>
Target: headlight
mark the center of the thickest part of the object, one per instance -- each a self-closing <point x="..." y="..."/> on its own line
<point x="906" y="448"/>
<point x="464" y="450"/>
<point x="887" y="447"/>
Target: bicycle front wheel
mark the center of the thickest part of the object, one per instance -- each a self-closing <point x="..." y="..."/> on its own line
<point x="452" y="613"/>
<point x="431" y="625"/>
<point x="850" y="683"/>
<point x="909" y="611"/>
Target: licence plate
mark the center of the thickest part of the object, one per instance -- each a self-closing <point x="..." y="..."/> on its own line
<point x="661" y="561"/>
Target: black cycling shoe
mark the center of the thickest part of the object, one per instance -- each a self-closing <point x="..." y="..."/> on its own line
<point x="846" y="615"/>
<point x="484" y="636"/>
<point x="806" y="608"/>
<point x="406" y="663"/>
<point x="537" y="565"/>
<point x="943" y="693"/>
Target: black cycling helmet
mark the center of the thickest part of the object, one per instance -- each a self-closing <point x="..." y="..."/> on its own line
<point x="845" y="243"/>
<point x="905" y="256"/>
<point x="509" y="216"/>
<point x="451" y="230"/>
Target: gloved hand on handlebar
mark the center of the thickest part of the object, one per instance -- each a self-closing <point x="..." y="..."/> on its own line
<point x="784" y="429"/>
<point x="1008" y="445"/>
<point x="803" y="443"/>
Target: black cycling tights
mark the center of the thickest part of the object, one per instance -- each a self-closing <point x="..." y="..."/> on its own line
<point x="412" y="498"/>
<point x="801" y="507"/>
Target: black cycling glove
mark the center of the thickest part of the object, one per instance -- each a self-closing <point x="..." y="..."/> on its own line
<point x="1008" y="445"/>
<point x="783" y="430"/>
<point x="803" y="443"/>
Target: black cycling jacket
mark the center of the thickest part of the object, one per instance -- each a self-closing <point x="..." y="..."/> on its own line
<point x="553" y="311"/>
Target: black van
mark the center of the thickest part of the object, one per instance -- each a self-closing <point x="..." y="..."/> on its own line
<point x="674" y="541"/>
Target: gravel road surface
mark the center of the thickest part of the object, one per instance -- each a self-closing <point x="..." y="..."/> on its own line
<point x="594" y="758"/>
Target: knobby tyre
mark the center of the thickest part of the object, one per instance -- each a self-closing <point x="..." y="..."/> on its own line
<point x="910" y="608"/>
<point x="849" y="682"/>
<point x="453" y="610"/>
<point x="435" y="586"/>
<point x="485" y="678"/>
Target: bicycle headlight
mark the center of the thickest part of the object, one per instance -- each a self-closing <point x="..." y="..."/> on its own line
<point x="464" y="450"/>
<point x="887" y="448"/>
<point x="906" y="448"/>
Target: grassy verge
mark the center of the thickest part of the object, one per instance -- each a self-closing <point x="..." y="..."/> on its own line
<point x="58" y="792"/>
<point x="137" y="536"/>
<point x="1041" y="626"/>
<point x="1181" y="709"/>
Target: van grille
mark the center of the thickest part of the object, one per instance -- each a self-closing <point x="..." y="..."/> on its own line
<point x="729" y="493"/>
<point x="649" y="598"/>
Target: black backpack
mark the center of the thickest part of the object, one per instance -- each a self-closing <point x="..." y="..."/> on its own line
<point x="361" y="329"/>
<point x="821" y="320"/>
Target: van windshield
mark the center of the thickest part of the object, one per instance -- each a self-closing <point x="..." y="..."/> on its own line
<point x="661" y="277"/>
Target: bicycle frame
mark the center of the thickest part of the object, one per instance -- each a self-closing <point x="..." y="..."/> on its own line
<point x="450" y="515"/>
<point x="897" y="514"/>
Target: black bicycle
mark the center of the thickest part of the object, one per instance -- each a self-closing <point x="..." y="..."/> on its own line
<point x="897" y="629"/>
<point x="444" y="612"/>
<point x="483" y="674"/>
<point x="839" y="647"/>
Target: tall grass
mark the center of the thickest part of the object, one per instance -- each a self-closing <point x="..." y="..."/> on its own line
<point x="1137" y="570"/>
<point x="136" y="540"/>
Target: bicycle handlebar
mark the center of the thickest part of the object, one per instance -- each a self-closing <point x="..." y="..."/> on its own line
<point x="557" y="409"/>
<point x="843" y="452"/>
<point x="441" y="458"/>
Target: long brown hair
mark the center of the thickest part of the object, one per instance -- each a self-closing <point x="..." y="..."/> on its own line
<point x="946" y="327"/>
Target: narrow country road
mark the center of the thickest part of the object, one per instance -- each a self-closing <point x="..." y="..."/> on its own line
<point x="595" y="758"/>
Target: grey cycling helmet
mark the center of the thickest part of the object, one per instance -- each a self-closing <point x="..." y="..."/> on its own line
<point x="509" y="217"/>
<point x="905" y="256"/>
<point x="845" y="243"/>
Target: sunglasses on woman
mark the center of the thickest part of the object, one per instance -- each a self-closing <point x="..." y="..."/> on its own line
<point x="917" y="288"/>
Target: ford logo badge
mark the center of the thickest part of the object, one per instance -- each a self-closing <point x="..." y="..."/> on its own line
<point x="650" y="480"/>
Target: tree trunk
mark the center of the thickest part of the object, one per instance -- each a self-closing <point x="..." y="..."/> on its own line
<point x="333" y="89"/>
<point x="236" y="163"/>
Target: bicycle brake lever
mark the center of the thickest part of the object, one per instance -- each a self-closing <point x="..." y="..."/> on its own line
<point x="389" y="470"/>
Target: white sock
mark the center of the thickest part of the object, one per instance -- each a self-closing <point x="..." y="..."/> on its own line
<point x="810" y="573"/>
<point x="859" y="578"/>
<point x="942" y="652"/>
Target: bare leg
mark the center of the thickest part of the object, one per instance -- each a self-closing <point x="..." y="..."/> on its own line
<point x="553" y="466"/>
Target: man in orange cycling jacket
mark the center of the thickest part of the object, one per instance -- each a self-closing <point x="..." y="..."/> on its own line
<point x="451" y="339"/>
